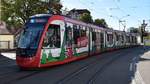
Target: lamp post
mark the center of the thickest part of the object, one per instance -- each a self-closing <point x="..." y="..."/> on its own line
<point x="120" y="20"/>
<point x="143" y="26"/>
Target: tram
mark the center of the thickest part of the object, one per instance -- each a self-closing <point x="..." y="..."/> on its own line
<point x="49" y="40"/>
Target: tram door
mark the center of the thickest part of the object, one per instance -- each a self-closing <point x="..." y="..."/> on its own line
<point x="51" y="47"/>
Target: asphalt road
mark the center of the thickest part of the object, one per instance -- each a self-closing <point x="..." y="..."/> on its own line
<point x="117" y="67"/>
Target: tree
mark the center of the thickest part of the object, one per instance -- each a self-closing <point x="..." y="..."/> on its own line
<point x="134" y="30"/>
<point x="86" y="17"/>
<point x="16" y="12"/>
<point x="54" y="6"/>
<point x="101" y="23"/>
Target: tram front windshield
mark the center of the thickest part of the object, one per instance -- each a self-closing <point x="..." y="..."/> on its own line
<point x="29" y="40"/>
<point x="30" y="36"/>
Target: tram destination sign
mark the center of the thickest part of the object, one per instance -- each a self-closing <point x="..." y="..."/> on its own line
<point x="38" y="20"/>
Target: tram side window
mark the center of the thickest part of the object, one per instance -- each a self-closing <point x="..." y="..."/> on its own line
<point x="110" y="38"/>
<point x="128" y="39"/>
<point x="94" y="38"/>
<point x="79" y="36"/>
<point x="83" y="33"/>
<point x="122" y="38"/>
<point x="102" y="38"/>
<point x="52" y="37"/>
<point x="135" y="40"/>
<point x="117" y="37"/>
<point x="76" y="34"/>
<point x="98" y="39"/>
<point x="69" y="36"/>
<point x="132" y="39"/>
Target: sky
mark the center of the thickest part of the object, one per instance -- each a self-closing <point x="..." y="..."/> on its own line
<point x="133" y="12"/>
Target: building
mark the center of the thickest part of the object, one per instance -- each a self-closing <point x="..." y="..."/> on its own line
<point x="6" y="38"/>
<point x="76" y="13"/>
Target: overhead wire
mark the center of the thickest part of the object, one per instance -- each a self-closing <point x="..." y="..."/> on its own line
<point x="106" y="14"/>
<point x="93" y="9"/>
<point x="96" y="11"/>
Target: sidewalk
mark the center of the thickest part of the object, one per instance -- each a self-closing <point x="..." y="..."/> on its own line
<point x="142" y="74"/>
<point x="11" y="54"/>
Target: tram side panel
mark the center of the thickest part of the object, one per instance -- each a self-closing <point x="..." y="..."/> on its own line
<point x="74" y="44"/>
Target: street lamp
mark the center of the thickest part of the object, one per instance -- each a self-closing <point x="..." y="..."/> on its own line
<point x="120" y="20"/>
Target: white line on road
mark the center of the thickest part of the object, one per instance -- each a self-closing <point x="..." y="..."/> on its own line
<point x="130" y="67"/>
<point x="133" y="64"/>
<point x="134" y="58"/>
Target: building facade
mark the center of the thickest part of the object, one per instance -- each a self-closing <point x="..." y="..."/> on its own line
<point x="76" y="13"/>
<point x="6" y="38"/>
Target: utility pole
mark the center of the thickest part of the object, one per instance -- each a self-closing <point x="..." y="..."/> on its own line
<point x="123" y="23"/>
<point x="143" y="26"/>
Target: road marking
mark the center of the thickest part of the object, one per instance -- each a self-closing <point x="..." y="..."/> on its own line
<point x="130" y="67"/>
<point x="134" y="58"/>
<point x="133" y="64"/>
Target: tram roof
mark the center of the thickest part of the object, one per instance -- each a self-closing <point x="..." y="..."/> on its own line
<point x="41" y="15"/>
<point x="78" y="22"/>
<point x="82" y="23"/>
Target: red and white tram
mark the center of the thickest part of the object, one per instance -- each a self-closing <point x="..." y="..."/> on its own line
<point x="49" y="40"/>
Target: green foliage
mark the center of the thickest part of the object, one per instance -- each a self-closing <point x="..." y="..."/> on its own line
<point x="101" y="23"/>
<point x="16" y="12"/>
<point x="134" y="30"/>
<point x="54" y="6"/>
<point x="86" y="17"/>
